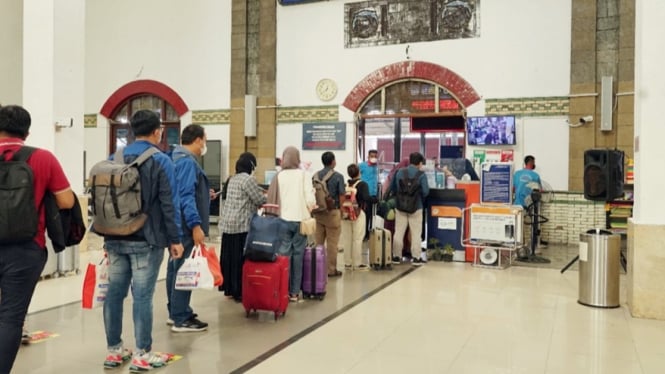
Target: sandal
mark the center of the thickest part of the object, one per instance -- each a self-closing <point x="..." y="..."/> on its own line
<point x="337" y="273"/>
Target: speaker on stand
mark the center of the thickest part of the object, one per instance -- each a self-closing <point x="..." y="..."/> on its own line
<point x="603" y="180"/>
<point x="603" y="174"/>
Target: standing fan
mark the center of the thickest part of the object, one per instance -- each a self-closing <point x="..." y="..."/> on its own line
<point x="540" y="194"/>
<point x="489" y="256"/>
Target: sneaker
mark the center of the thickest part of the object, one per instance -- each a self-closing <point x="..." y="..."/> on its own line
<point x="423" y="257"/>
<point x="397" y="260"/>
<point x="417" y="262"/>
<point x="191" y="325"/>
<point x="347" y="266"/>
<point x="293" y="298"/>
<point x="170" y="322"/>
<point x="116" y="357"/>
<point x="144" y="361"/>
<point x="362" y="267"/>
<point x="25" y="337"/>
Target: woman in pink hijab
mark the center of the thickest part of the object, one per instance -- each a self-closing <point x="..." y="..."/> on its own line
<point x="292" y="190"/>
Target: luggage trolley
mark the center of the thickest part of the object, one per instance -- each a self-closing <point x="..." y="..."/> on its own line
<point x="495" y="234"/>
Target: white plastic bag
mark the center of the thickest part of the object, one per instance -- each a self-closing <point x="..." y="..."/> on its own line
<point x="194" y="273"/>
<point x="95" y="283"/>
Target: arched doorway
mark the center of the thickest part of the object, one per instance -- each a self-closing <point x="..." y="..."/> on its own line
<point x="143" y="94"/>
<point x="411" y="106"/>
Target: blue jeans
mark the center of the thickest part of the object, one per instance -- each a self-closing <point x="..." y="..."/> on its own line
<point x="293" y="245"/>
<point x="135" y="263"/>
<point x="20" y="268"/>
<point x="177" y="300"/>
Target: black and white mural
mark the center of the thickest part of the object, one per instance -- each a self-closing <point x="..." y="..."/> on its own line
<point x="381" y="22"/>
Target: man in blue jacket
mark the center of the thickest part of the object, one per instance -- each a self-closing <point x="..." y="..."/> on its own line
<point x="135" y="259"/>
<point x="194" y="193"/>
<point x="410" y="217"/>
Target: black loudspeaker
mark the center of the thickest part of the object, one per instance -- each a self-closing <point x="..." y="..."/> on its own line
<point x="603" y="174"/>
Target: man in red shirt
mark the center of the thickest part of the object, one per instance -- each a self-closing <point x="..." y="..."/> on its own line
<point x="21" y="263"/>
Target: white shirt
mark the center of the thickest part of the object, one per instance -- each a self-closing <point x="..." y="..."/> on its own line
<point x="296" y="194"/>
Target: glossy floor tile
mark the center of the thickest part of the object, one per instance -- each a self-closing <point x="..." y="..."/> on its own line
<point x="441" y="318"/>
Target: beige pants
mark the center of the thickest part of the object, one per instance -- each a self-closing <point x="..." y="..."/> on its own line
<point x="414" y="222"/>
<point x="353" y="233"/>
<point x="328" y="230"/>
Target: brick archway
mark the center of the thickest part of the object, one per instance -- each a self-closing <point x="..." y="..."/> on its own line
<point x="144" y="86"/>
<point x="440" y="75"/>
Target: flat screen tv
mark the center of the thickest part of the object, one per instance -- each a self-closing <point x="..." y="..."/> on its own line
<point x="490" y="130"/>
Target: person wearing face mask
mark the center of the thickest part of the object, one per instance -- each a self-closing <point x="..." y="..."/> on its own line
<point x="525" y="180"/>
<point x="244" y="196"/>
<point x="194" y="193"/>
<point x="369" y="173"/>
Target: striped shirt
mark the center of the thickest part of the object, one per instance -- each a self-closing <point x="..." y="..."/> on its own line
<point x="243" y="199"/>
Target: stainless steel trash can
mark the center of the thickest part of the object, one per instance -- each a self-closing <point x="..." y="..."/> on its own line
<point x="600" y="251"/>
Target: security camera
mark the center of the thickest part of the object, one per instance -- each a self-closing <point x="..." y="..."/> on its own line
<point x="586" y="119"/>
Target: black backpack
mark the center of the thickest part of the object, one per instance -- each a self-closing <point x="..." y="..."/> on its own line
<point x="19" y="216"/>
<point x="408" y="192"/>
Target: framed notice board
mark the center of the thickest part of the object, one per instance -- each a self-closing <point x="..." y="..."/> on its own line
<point x="496" y="183"/>
<point x="324" y="136"/>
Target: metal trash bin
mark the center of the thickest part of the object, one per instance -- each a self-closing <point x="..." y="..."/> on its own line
<point x="599" y="256"/>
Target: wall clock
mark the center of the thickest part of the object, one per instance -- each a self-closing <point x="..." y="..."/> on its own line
<point x="326" y="89"/>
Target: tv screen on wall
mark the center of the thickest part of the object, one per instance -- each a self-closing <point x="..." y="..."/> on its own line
<point x="491" y="130"/>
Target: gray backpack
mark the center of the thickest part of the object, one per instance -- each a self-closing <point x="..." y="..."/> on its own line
<point x="116" y="195"/>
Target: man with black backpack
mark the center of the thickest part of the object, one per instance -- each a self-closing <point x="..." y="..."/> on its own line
<point x="135" y="257"/>
<point x="26" y="174"/>
<point x="410" y="188"/>
<point x="329" y="190"/>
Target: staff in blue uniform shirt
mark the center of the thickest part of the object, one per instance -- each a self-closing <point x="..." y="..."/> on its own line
<point x="525" y="180"/>
<point x="369" y="173"/>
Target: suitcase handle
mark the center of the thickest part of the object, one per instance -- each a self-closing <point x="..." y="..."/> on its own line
<point x="268" y="210"/>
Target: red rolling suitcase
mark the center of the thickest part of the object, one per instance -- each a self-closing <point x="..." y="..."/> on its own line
<point x="265" y="286"/>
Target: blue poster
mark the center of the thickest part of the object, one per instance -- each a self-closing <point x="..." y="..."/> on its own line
<point x="496" y="183"/>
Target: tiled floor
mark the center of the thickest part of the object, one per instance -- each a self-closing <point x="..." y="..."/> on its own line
<point x="441" y="318"/>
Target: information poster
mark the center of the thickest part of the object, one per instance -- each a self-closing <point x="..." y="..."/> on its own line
<point x="493" y="227"/>
<point x="496" y="183"/>
<point x="324" y="136"/>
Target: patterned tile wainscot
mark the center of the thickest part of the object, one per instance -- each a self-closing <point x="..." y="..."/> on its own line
<point x="570" y="215"/>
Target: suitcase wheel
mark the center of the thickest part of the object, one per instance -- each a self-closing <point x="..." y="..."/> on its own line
<point x="321" y="296"/>
<point x="247" y="314"/>
<point x="306" y="295"/>
<point x="389" y="267"/>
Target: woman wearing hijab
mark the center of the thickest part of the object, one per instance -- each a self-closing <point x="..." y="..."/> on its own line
<point x="243" y="199"/>
<point x="292" y="190"/>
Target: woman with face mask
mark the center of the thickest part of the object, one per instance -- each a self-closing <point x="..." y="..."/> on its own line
<point x="244" y="196"/>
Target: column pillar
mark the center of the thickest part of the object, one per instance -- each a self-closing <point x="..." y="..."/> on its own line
<point x="53" y="76"/>
<point x="646" y="251"/>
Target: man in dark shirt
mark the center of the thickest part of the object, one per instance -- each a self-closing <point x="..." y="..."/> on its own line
<point x="329" y="223"/>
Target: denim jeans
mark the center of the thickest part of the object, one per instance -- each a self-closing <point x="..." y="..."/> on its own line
<point x="293" y="245"/>
<point x="177" y="300"/>
<point x="135" y="263"/>
<point x="20" y="268"/>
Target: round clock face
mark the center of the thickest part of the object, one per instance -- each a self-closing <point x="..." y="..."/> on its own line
<point x="326" y="89"/>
